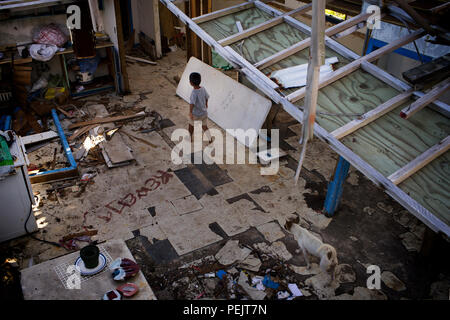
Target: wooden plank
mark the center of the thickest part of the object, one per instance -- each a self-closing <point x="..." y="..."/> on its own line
<point x="38" y="137"/>
<point x="439" y="8"/>
<point x="430" y="72"/>
<point x="245" y="64"/>
<point x="316" y="60"/>
<point x="157" y="28"/>
<point x="23" y="5"/>
<point x="400" y="85"/>
<point x="121" y="47"/>
<point x="56" y="176"/>
<point x="267" y="62"/>
<point x="433" y="221"/>
<point x="140" y="60"/>
<point x="429" y="97"/>
<point x="114" y="150"/>
<point x="226" y="26"/>
<point x="439" y="106"/>
<point x="390" y="143"/>
<point x="195" y="41"/>
<point x="270" y="60"/>
<point x="64" y="112"/>
<point x="20" y="61"/>
<point x="354" y="65"/>
<point x="80" y="132"/>
<point x="384" y="76"/>
<point x="187" y="12"/>
<point x="372" y="115"/>
<point x="261" y="27"/>
<point x="247" y="33"/>
<point x="206" y="6"/>
<point x="350" y="98"/>
<point x="106" y="120"/>
<point x="138" y="139"/>
<point x="221" y="13"/>
<point x="347" y="24"/>
<point x="269" y="42"/>
<point x="421" y="161"/>
<point x="418" y="19"/>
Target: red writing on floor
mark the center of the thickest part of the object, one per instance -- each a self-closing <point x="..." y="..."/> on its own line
<point x="130" y="199"/>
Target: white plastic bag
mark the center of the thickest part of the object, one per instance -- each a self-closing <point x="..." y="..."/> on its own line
<point x="43" y="52"/>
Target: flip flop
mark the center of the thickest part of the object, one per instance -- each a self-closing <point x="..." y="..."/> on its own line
<point x="112" y="295"/>
<point x="128" y="289"/>
<point x="123" y="268"/>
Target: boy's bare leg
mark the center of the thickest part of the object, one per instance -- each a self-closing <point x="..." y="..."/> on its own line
<point x="191" y="131"/>
<point x="205" y="129"/>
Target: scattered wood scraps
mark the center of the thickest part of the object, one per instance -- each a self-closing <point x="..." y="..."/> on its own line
<point x="106" y="120"/>
<point x="133" y="137"/>
<point x="140" y="60"/>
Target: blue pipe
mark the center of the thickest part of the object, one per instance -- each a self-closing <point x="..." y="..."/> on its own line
<point x="8" y="123"/>
<point x="68" y="152"/>
<point x="64" y="142"/>
<point x="335" y="187"/>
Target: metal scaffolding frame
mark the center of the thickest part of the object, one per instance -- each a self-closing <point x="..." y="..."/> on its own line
<point x="269" y="88"/>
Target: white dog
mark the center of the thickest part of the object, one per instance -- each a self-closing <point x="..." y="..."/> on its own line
<point x="314" y="246"/>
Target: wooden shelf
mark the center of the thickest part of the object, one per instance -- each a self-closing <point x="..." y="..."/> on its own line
<point x="98" y="84"/>
<point x="100" y="45"/>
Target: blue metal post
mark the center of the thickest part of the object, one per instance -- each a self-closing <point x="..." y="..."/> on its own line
<point x="67" y="150"/>
<point x="8" y="122"/>
<point x="335" y="187"/>
<point x="376" y="44"/>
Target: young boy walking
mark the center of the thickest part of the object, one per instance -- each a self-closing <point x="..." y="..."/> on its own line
<point x="198" y="107"/>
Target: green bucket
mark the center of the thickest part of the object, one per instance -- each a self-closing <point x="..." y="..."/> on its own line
<point x="89" y="255"/>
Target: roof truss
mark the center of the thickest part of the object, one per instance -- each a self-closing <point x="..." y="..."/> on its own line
<point x="262" y="82"/>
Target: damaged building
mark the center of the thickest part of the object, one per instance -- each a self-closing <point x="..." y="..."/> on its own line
<point x="224" y="150"/>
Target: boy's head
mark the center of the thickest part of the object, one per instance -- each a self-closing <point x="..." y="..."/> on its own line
<point x="195" y="78"/>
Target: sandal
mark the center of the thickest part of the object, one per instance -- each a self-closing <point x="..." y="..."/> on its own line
<point x="123" y="268"/>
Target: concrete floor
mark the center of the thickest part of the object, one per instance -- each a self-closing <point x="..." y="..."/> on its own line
<point x="195" y="209"/>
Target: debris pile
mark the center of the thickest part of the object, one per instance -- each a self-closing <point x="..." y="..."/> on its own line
<point x="243" y="272"/>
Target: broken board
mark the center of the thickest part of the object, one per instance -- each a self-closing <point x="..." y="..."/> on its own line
<point x="231" y="105"/>
<point x="115" y="151"/>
